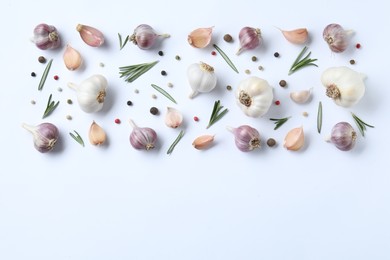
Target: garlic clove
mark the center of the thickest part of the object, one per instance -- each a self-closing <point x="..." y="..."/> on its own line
<point x="97" y="136"/>
<point x="203" y="142"/>
<point x="173" y="117"/>
<point x="90" y="35"/>
<point x="294" y="139"/>
<point x="200" y="37"/>
<point x="302" y="96"/>
<point x="72" y="58"/>
<point x="297" y="36"/>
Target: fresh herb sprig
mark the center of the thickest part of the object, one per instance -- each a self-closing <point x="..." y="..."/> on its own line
<point x="225" y="57"/>
<point x="77" y="137"/>
<point x="302" y="62"/>
<point x="133" y="72"/>
<point x="162" y="91"/>
<point x="177" y="140"/>
<point x="44" y="75"/>
<point x="361" y="124"/>
<point x="216" y="114"/>
<point x="319" y="117"/>
<point x="279" y="121"/>
<point x="51" y="106"/>
<point x="121" y="43"/>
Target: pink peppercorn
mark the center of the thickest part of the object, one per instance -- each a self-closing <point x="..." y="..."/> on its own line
<point x="56" y="77"/>
<point x="277" y="102"/>
<point x="117" y="121"/>
<point x="196" y="119"/>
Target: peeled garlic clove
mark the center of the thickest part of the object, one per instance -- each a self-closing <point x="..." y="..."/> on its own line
<point x="90" y="35"/>
<point x="173" y="117"/>
<point x="97" y="136"/>
<point x="301" y="97"/>
<point x="200" y="38"/>
<point x="72" y="58"/>
<point x="203" y="142"/>
<point x="297" y="36"/>
<point x="294" y="139"/>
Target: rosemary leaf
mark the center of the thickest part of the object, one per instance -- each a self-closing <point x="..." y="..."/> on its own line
<point x="226" y="58"/>
<point x="162" y="91"/>
<point x="319" y="117"/>
<point x="216" y="114"/>
<point x="361" y="124"/>
<point x="302" y="62"/>
<point x="122" y="44"/>
<point x="177" y="140"/>
<point x="51" y="106"/>
<point x="77" y="137"/>
<point x="44" y="75"/>
<point x="133" y="72"/>
<point x="279" y="121"/>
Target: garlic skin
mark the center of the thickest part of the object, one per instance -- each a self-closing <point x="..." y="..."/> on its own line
<point x="91" y="93"/>
<point x="246" y="137"/>
<point x="201" y="78"/>
<point x="296" y="36"/>
<point x="302" y="96"/>
<point x="203" y="142"/>
<point x="200" y="38"/>
<point x="295" y="139"/>
<point x="46" y="37"/>
<point x="97" y="135"/>
<point x="90" y="35"/>
<point x="336" y="37"/>
<point x="142" y="138"/>
<point x="250" y="38"/>
<point x="254" y="96"/>
<point x="45" y="136"/>
<point x="345" y="86"/>
<point x="173" y="117"/>
<point x="343" y="136"/>
<point x="72" y="58"/>
<point x="144" y="36"/>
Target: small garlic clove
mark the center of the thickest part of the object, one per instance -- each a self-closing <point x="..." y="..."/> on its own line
<point x="200" y="37"/>
<point x="90" y="35"/>
<point x="173" y="117"/>
<point x="202" y="142"/>
<point x="97" y="136"/>
<point x="294" y="139"/>
<point x="297" y="36"/>
<point x="72" y="58"/>
<point x="302" y="96"/>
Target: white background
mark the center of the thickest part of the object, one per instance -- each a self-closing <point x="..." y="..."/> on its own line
<point x="114" y="202"/>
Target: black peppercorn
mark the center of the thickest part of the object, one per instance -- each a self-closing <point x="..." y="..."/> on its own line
<point x="161" y="53"/>
<point x="129" y="103"/>
<point x="33" y="74"/>
<point x="154" y="110"/>
<point x="276" y="54"/>
<point x="271" y="142"/>
<point x="163" y="72"/>
<point x="282" y="83"/>
<point x="352" y="62"/>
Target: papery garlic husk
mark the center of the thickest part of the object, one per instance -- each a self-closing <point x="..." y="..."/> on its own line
<point x="297" y="36"/>
<point x="144" y="36"/>
<point x="45" y="136"/>
<point x="301" y="96"/>
<point x="46" y="37"/>
<point x="336" y="37"/>
<point x="200" y="38"/>
<point x="90" y="35"/>
<point x="345" y="86"/>
<point x="246" y="137"/>
<point x="343" y="136"/>
<point x="142" y="138"/>
<point x="97" y="135"/>
<point x="250" y="38"/>
<point x="203" y="142"/>
<point x="173" y="117"/>
<point x="295" y="139"/>
<point x="201" y="78"/>
<point x="72" y="58"/>
<point x="91" y="93"/>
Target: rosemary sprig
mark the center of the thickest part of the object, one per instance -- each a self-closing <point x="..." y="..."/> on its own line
<point x="162" y="91"/>
<point x="133" y="72"/>
<point x="77" y="137"/>
<point x="279" y="121"/>
<point x="122" y="44"/>
<point x="51" y="106"/>
<point x="302" y="62"/>
<point x="177" y="140"/>
<point x="216" y="114"/>
<point x="319" y="117"/>
<point x="226" y="58"/>
<point x="44" y="75"/>
<point x="361" y="124"/>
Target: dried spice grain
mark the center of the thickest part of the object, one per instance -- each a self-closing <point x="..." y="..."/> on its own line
<point x="282" y="83"/>
<point x="154" y="110"/>
<point x="254" y="58"/>
<point x="33" y="74"/>
<point x="41" y="59"/>
<point x="228" y="38"/>
<point x="352" y="62"/>
<point x="163" y="72"/>
<point x="271" y="142"/>
<point x="276" y="54"/>
<point x="161" y="53"/>
<point x="129" y="103"/>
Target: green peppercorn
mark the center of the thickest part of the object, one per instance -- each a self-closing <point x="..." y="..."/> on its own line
<point x="69" y="101"/>
<point x="271" y="142"/>
<point x="228" y="87"/>
<point x="228" y="38"/>
<point x="254" y="58"/>
<point x="352" y="62"/>
<point x="177" y="57"/>
<point x="154" y="110"/>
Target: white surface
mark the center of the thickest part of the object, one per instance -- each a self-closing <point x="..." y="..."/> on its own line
<point x="118" y="203"/>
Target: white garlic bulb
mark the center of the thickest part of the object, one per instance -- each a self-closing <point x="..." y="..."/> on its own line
<point x="91" y="93"/>
<point x="254" y="96"/>
<point x="201" y="78"/>
<point x="344" y="85"/>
